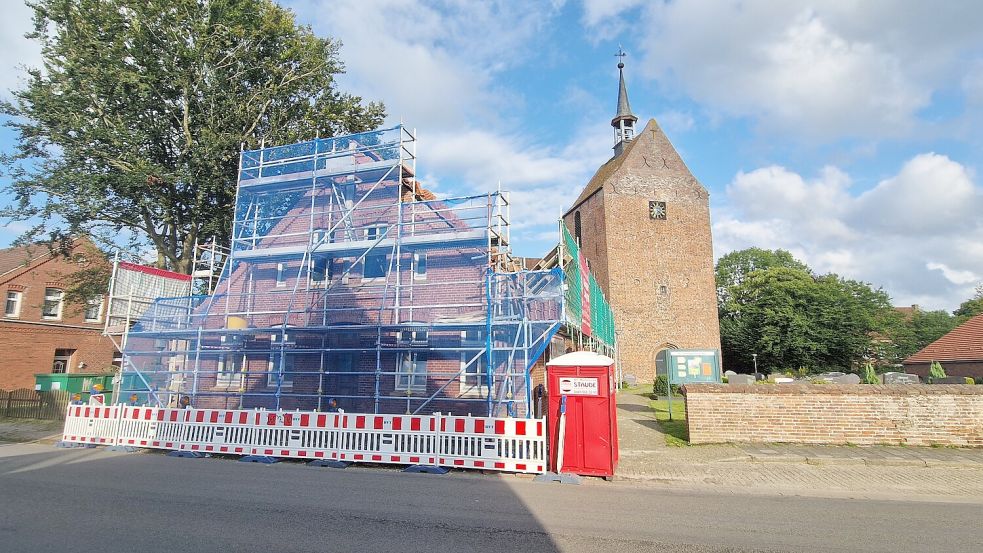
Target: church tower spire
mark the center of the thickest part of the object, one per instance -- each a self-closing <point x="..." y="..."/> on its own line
<point x="624" y="121"/>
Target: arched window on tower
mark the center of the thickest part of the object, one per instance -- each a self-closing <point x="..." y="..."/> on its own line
<point x="576" y="227"/>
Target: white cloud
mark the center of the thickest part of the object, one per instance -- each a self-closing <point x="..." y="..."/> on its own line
<point x="437" y="66"/>
<point x="18" y="51"/>
<point x="820" y="71"/>
<point x="952" y="275"/>
<point x="917" y="234"/>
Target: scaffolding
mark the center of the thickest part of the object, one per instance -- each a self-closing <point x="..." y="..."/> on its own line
<point x="348" y="285"/>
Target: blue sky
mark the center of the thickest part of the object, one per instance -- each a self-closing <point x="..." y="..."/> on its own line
<point x="845" y="132"/>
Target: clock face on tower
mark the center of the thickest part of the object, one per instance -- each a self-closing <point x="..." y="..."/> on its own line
<point x="657" y="210"/>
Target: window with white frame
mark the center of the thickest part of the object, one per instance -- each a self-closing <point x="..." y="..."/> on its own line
<point x="419" y="265"/>
<point x="229" y="370"/>
<point x="12" y="306"/>
<point x="54" y="300"/>
<point x="93" y="310"/>
<point x="63" y="360"/>
<point x="374" y="232"/>
<point x="276" y="368"/>
<point x="281" y="275"/>
<point x="319" y="270"/>
<point x="473" y="363"/>
<point x="411" y="371"/>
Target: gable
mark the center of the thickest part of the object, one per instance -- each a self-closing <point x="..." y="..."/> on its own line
<point x="650" y="153"/>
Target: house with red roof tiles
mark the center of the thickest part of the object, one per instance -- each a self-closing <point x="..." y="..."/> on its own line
<point x="960" y="352"/>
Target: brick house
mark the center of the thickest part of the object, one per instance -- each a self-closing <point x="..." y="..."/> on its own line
<point x="348" y="281"/>
<point x="643" y="223"/>
<point x="960" y="352"/>
<point x="40" y="332"/>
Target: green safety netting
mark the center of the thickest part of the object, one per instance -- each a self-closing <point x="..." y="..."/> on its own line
<point x="601" y="317"/>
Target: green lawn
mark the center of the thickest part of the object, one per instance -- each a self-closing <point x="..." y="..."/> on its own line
<point x="675" y="429"/>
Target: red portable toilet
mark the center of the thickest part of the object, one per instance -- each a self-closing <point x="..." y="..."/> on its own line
<point x="582" y="401"/>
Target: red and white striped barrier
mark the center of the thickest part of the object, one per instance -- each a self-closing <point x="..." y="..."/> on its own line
<point x="88" y="424"/>
<point x="488" y="443"/>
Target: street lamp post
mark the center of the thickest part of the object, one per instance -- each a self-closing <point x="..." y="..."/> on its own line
<point x="754" y="356"/>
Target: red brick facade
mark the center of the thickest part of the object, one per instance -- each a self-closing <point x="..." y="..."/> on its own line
<point x="29" y="340"/>
<point x="836" y="414"/>
<point x="657" y="273"/>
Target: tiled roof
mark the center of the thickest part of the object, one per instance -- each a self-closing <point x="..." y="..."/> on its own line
<point x="964" y="343"/>
<point x="16" y="257"/>
<point x="605" y="171"/>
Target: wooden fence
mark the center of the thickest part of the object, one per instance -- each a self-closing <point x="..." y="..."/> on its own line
<point x="32" y="404"/>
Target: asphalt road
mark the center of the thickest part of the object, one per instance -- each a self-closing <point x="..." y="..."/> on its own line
<point x="91" y="500"/>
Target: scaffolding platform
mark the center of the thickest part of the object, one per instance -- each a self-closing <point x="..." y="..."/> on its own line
<point x="348" y="286"/>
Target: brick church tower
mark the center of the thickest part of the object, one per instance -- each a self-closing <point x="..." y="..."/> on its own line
<point x="643" y="222"/>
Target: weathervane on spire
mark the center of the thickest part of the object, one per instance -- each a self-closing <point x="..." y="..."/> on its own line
<point x="621" y="57"/>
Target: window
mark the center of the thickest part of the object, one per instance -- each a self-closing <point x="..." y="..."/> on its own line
<point x="53" y="299"/>
<point x="411" y="371"/>
<point x="281" y="278"/>
<point x="376" y="266"/>
<point x="419" y="266"/>
<point x="319" y="269"/>
<point x="63" y="360"/>
<point x="414" y="337"/>
<point x="273" y="374"/>
<point x="230" y="368"/>
<point x="576" y="227"/>
<point x="473" y="363"/>
<point x="118" y="359"/>
<point x="375" y="232"/>
<point x="12" y="307"/>
<point x="93" y="310"/>
<point x="340" y="366"/>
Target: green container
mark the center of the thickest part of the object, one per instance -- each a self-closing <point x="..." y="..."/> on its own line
<point x="73" y="382"/>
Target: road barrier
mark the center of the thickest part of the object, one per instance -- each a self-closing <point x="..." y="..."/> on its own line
<point x="486" y="443"/>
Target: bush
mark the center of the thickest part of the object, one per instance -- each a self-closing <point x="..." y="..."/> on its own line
<point x="970" y="380"/>
<point x="870" y="375"/>
<point x="936" y="370"/>
<point x="661" y="387"/>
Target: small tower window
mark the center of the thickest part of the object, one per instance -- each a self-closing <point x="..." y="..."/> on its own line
<point x="576" y="227"/>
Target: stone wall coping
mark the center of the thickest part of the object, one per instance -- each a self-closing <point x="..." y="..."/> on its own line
<point x="837" y="389"/>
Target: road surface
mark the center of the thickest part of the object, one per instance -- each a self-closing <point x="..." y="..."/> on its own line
<point x="89" y="499"/>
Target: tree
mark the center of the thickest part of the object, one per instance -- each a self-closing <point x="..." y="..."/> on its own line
<point x="972" y="306"/>
<point x="134" y="124"/>
<point x="935" y="370"/>
<point x="734" y="267"/>
<point x="792" y="319"/>
<point x="920" y="330"/>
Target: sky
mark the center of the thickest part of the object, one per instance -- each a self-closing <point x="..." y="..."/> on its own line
<point x="845" y="132"/>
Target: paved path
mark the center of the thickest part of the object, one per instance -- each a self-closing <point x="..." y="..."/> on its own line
<point x="788" y="469"/>
<point x="90" y="499"/>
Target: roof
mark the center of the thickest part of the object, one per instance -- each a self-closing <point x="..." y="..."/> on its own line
<point x="17" y="257"/>
<point x="604" y="172"/>
<point x="624" y="108"/>
<point x="964" y="343"/>
<point x="581" y="359"/>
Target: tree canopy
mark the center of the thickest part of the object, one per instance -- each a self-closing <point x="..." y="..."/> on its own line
<point x="772" y="305"/>
<point x="972" y="306"/>
<point x="133" y="126"/>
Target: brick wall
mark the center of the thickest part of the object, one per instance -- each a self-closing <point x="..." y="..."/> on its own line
<point x="973" y="369"/>
<point x="836" y="414"/>
<point x="657" y="274"/>
<point x="28" y="341"/>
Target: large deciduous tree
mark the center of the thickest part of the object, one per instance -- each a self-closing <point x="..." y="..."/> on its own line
<point x="135" y="121"/>
<point x="772" y="305"/>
